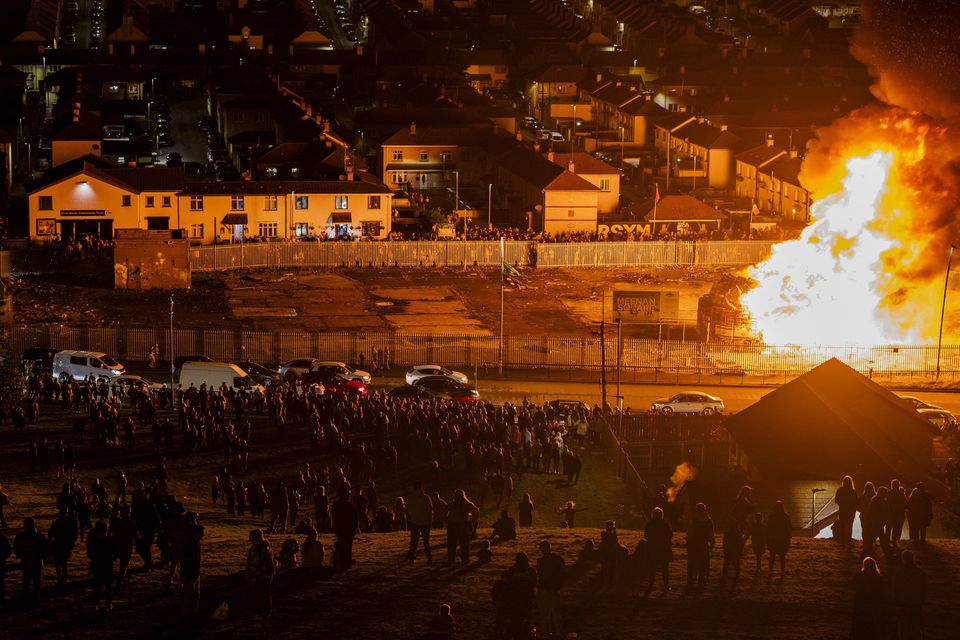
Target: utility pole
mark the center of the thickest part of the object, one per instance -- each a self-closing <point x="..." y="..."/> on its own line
<point x="943" y="308"/>
<point x="501" y="306"/>
<point x="603" y="352"/>
<point x="489" y="205"/>
<point x="173" y="393"/>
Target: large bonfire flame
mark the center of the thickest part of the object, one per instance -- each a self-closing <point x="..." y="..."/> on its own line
<point x="865" y="271"/>
<point x="886" y="184"/>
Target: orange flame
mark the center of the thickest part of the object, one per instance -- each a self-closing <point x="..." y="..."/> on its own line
<point x="868" y="268"/>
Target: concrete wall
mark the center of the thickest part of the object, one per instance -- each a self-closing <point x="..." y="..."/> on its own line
<point x="151" y="260"/>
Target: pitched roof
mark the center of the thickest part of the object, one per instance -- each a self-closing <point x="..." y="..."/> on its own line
<point x="88" y="128"/>
<point x="568" y="181"/>
<point x="584" y="163"/>
<point x="785" y="168"/>
<point x="438" y="136"/>
<point x="562" y="73"/>
<point x="283" y="187"/>
<point x="130" y="179"/>
<point x="760" y="155"/>
<point x="707" y="136"/>
<point x="674" y="207"/>
<point x="644" y="107"/>
<point x="674" y="121"/>
<point x="830" y="420"/>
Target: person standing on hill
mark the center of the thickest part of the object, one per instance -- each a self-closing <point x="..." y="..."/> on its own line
<point x="732" y="550"/>
<point x="345" y="522"/>
<point x="758" y="540"/>
<point x="419" y="520"/>
<point x="896" y="511"/>
<point x="609" y="548"/>
<point x="525" y="511"/>
<point x="701" y="539"/>
<point x="779" y="531"/>
<point x="190" y="566"/>
<point x="846" y="499"/>
<point x="868" y="602"/>
<point x="659" y="539"/>
<point x="31" y="547"/>
<point x="462" y="518"/>
<point x="909" y="593"/>
<point x="260" y="570"/>
<point x="550" y="575"/>
<point x="102" y="553"/>
<point x="62" y="538"/>
<point x="919" y="513"/>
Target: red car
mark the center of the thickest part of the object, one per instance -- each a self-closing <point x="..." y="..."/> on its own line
<point x="334" y="384"/>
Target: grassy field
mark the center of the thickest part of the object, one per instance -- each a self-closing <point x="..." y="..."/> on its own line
<point x="383" y="597"/>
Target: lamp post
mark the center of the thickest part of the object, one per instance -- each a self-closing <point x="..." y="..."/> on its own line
<point x="943" y="307"/>
<point x="489" y="205"/>
<point x="173" y="395"/>
<point x="694" y="173"/>
<point x="621" y="144"/>
<point x="813" y="506"/>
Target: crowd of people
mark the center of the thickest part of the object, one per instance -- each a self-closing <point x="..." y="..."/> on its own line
<point x="469" y="460"/>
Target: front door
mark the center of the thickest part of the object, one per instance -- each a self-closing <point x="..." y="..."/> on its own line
<point x="238" y="232"/>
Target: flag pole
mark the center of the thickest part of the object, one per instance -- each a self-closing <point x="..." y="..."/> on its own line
<point x="501" y="308"/>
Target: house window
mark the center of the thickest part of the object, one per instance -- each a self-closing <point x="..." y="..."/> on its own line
<point x="238" y="117"/>
<point x="446" y="156"/>
<point x="268" y="229"/>
<point x="499" y="69"/>
<point x="370" y="228"/>
<point x="270" y="203"/>
<point x="569" y="213"/>
<point x="398" y="154"/>
<point x="165" y="201"/>
<point x="149" y="201"/>
<point x="125" y="201"/>
<point x="45" y="203"/>
<point x="196" y="203"/>
<point x="196" y="231"/>
<point x="46" y="226"/>
<point x="302" y="229"/>
<point x="373" y="202"/>
<point x="424" y="156"/>
<point x="302" y="202"/>
<point x="236" y="203"/>
<point x="398" y="177"/>
<point x="294" y="172"/>
<point x="605" y="184"/>
<point x="271" y="172"/>
<point x="259" y="117"/>
<point x="340" y="202"/>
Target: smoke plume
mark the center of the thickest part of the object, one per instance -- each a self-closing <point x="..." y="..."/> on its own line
<point x="683" y="474"/>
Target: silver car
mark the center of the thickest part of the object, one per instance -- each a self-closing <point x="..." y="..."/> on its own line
<point x="422" y="370"/>
<point x="689" y="402"/>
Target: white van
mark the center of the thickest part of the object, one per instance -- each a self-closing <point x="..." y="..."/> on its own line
<point x="77" y="365"/>
<point x="216" y="374"/>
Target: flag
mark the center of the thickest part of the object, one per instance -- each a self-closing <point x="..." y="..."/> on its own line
<point x="656" y="198"/>
<point x="754" y="210"/>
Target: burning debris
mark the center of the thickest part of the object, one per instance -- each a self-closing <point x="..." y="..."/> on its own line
<point x="683" y="474"/>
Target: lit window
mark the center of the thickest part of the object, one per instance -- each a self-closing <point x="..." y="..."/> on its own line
<point x="271" y="172"/>
<point x="340" y="202"/>
<point x="302" y="202"/>
<point x="268" y="229"/>
<point x="270" y="203"/>
<point x="605" y="184"/>
<point x="196" y="203"/>
<point x="398" y="177"/>
<point x="373" y="202"/>
<point x="236" y="203"/>
<point x="398" y="154"/>
<point x="370" y="228"/>
<point x="302" y="229"/>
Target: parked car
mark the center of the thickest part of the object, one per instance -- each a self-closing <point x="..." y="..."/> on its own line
<point x="179" y="361"/>
<point x="78" y="365"/>
<point x="443" y="386"/>
<point x="421" y="370"/>
<point x="415" y="393"/>
<point x="342" y="370"/>
<point x="293" y="369"/>
<point x="332" y="383"/>
<point x="215" y="375"/>
<point x="918" y="404"/>
<point x="688" y="402"/>
<point x="940" y="419"/>
<point x="564" y="408"/>
<point x="259" y="373"/>
<point x="38" y="359"/>
<point x="129" y="382"/>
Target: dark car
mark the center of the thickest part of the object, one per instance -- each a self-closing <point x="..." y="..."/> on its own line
<point x="38" y="358"/>
<point x="333" y="384"/>
<point x="179" y="360"/>
<point x="415" y="393"/>
<point x="442" y="386"/>
<point x="259" y="373"/>
<point x="564" y="408"/>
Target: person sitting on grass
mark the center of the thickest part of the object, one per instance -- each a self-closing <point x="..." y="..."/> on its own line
<point x="504" y="529"/>
<point x="443" y="625"/>
<point x="484" y="555"/>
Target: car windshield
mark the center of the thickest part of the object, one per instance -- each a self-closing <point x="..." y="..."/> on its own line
<point x="446" y="372"/>
<point x="109" y="362"/>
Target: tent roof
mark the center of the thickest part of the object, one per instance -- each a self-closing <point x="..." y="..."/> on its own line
<point x="833" y="421"/>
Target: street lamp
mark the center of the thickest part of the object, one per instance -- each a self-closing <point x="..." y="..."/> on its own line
<point x="621" y="144"/>
<point x="489" y="205"/>
<point x="173" y="394"/>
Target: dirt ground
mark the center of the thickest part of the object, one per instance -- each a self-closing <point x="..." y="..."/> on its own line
<point x="552" y="302"/>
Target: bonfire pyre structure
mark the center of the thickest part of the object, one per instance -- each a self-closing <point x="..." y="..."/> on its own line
<point x="720" y="314"/>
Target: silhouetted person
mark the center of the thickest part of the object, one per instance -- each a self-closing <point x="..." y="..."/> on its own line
<point x="462" y="518"/>
<point x="345" y="521"/>
<point x="550" y="575"/>
<point x="846" y="499"/>
<point x="419" y="520"/>
<point x="513" y="598"/>
<point x="758" y="540"/>
<point x="919" y="513"/>
<point x="779" y="531"/>
<point x="742" y="508"/>
<point x="732" y="550"/>
<point x="700" y="542"/>
<point x="659" y="549"/>
<point x="525" y="511"/>
<point x="190" y="565"/>
<point x="30" y="546"/>
<point x="874" y="521"/>
<point x="279" y="508"/>
<point x="259" y="573"/>
<point x="102" y="553"/>
<point x="909" y="593"/>
<point x="443" y="625"/>
<point x="896" y="511"/>
<point x="868" y="602"/>
<point x="62" y="537"/>
<point x="504" y="528"/>
<point x="5" y="551"/>
<point x="124" y="534"/>
<point x="609" y="548"/>
<point x="312" y="551"/>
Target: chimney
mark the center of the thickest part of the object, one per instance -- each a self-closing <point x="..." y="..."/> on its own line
<point x="619" y="84"/>
<point x="793" y="153"/>
<point x="550" y="155"/>
<point x="683" y="108"/>
<point x="647" y="97"/>
<point x="723" y="127"/>
<point x="571" y="167"/>
<point x="413" y="128"/>
<point x="599" y="78"/>
<point x="127" y="19"/>
<point x="769" y="140"/>
<point x="633" y="88"/>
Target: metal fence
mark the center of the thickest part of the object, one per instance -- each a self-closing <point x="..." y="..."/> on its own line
<point x="456" y="253"/>
<point x="642" y="360"/>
